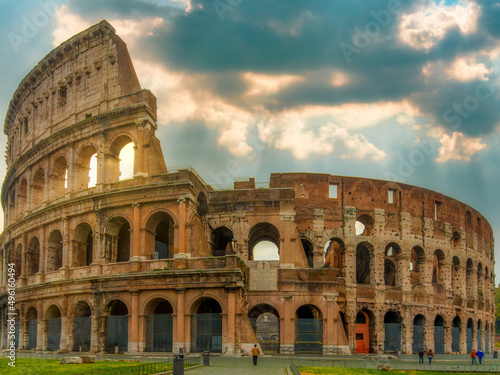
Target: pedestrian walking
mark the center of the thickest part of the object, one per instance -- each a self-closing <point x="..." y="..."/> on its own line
<point x="255" y="354"/>
<point x="473" y="356"/>
<point x="480" y="355"/>
<point x="421" y="356"/>
<point x="430" y="354"/>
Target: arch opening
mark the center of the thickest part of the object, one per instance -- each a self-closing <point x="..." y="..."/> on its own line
<point x="263" y="242"/>
<point x="308" y="248"/>
<point x="265" y="322"/>
<point x="206" y="327"/>
<point x="364" y="262"/>
<point x="418" y="333"/>
<point x="335" y="254"/>
<point x="159" y="326"/>
<point x="54" y="251"/>
<point x="392" y="325"/>
<point x="83" y="245"/>
<point x="59" y="177"/>
<point x="116" y="335"/>
<point x="53" y="328"/>
<point x="308" y="330"/>
<point x="222" y="242"/>
<point x="82" y="327"/>
<point x="33" y="256"/>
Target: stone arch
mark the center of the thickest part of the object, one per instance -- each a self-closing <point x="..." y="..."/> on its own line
<point x="266" y="238"/>
<point x="114" y="162"/>
<point x="82" y="327"/>
<point x="480" y="279"/>
<point x="335" y="254"/>
<point x="222" y="241"/>
<point x="206" y="326"/>
<point x="418" y="333"/>
<point x="23" y="196"/>
<point x="58" y="177"/>
<point x="53" y="318"/>
<point x="439" y="334"/>
<point x="32" y="327"/>
<point x="12" y="204"/>
<point x="54" y="251"/>
<point x="437" y="267"/>
<point x="364" y="331"/>
<point x="364" y="263"/>
<point x="160" y="235"/>
<point x="455" y="334"/>
<point x="469" y="334"/>
<point x="33" y="256"/>
<point x="455" y="240"/>
<point x="364" y="225"/>
<point x="392" y="325"/>
<point x="16" y="257"/>
<point x="117" y="236"/>
<point x="202" y="204"/>
<point x="159" y="325"/>
<point x="308" y="248"/>
<point x="38" y="188"/>
<point x="417" y="261"/>
<point x="265" y="320"/>
<point x="83" y="245"/>
<point x="308" y="330"/>
<point x="116" y="332"/>
<point x="86" y="174"/>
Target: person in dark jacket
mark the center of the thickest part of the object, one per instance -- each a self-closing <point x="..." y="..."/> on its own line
<point x="480" y="355"/>
<point x="421" y="356"/>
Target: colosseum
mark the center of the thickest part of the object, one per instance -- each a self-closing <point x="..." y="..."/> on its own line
<point x="159" y="261"/>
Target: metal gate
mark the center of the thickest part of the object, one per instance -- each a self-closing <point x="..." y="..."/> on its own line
<point x="392" y="337"/>
<point x="486" y="341"/>
<point x="159" y="333"/>
<point x="469" y="340"/>
<point x="32" y="334"/>
<point x="16" y="334"/>
<point x="418" y="338"/>
<point x="438" y="339"/>
<point x="53" y="334"/>
<point x="309" y="336"/>
<point x="479" y="339"/>
<point x="117" y="333"/>
<point x="455" y="339"/>
<point x="81" y="333"/>
<point x="206" y="333"/>
<point x="267" y="330"/>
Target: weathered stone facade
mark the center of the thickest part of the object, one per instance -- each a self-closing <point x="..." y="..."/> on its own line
<point x="161" y="261"/>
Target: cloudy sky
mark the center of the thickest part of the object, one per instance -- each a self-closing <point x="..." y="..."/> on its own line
<point x="400" y="90"/>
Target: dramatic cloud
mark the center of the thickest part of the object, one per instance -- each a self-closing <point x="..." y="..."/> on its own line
<point x="458" y="147"/>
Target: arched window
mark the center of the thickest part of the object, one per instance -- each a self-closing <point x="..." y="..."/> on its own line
<point x="33" y="256"/>
<point x="160" y="236"/>
<point x="364" y="225"/>
<point x="202" y="204"/>
<point x="121" y="159"/>
<point x="54" y="251"/>
<point x="392" y="323"/>
<point x="31" y="317"/>
<point x="83" y="245"/>
<point x="23" y="196"/>
<point x="334" y="254"/>
<point x="416" y="262"/>
<point x="222" y="242"/>
<point x="86" y="168"/>
<point x="263" y="243"/>
<point x="470" y="282"/>
<point x="439" y="335"/>
<point x="38" y="188"/>
<point x="206" y="325"/>
<point x="364" y="264"/>
<point x="59" y="177"/>
<point x="308" y="251"/>
<point x="437" y="267"/>
<point x="118" y="240"/>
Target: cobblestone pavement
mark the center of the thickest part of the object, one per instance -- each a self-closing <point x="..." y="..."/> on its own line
<point x="243" y="366"/>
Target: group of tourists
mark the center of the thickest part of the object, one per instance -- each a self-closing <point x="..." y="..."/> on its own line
<point x="473" y="355"/>
<point x="479" y="355"/>
<point x="421" y="354"/>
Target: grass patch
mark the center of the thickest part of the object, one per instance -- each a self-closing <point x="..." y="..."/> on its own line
<point x="359" y="371"/>
<point x="52" y="366"/>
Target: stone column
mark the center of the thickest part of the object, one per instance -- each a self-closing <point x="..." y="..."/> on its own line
<point x="139" y="149"/>
<point x="179" y="338"/>
<point x="182" y="226"/>
<point x="231" y="320"/>
<point x="136" y="248"/>
<point x="288" y="331"/>
<point x="94" y="333"/>
<point x="134" y="323"/>
<point x="71" y="170"/>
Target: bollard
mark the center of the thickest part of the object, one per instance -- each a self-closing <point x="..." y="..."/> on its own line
<point x="206" y="358"/>
<point x="178" y="364"/>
